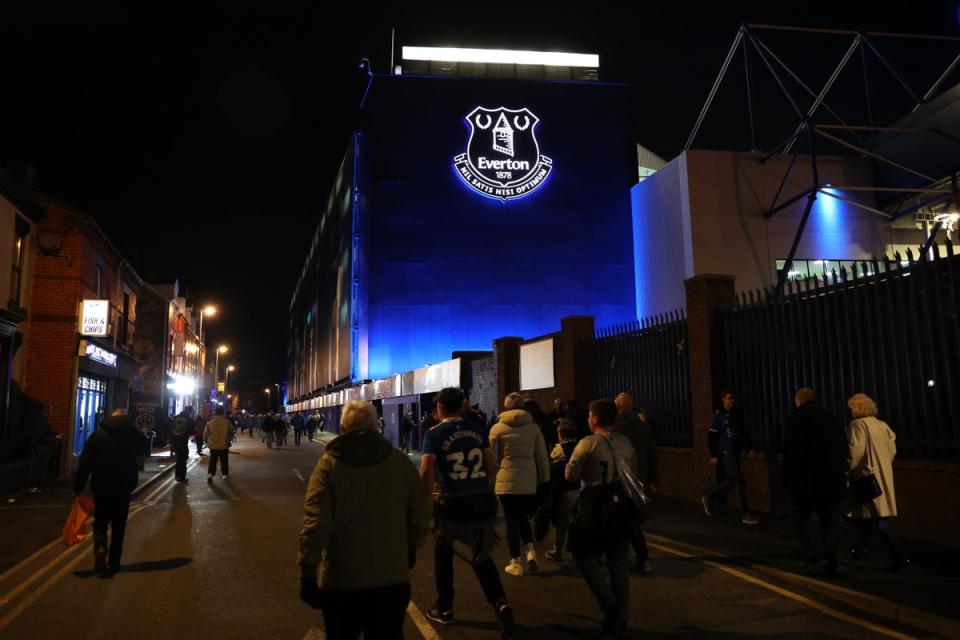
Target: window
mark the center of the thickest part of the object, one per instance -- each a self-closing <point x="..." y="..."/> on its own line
<point x="125" y="319"/>
<point x="19" y="254"/>
<point x="99" y="282"/>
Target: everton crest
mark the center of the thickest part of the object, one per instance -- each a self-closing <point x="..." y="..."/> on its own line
<point x="503" y="158"/>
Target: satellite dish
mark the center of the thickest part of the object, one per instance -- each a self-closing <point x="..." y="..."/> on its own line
<point x="50" y="243"/>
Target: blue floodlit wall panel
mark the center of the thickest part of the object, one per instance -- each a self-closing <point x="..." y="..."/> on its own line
<point x="661" y="237"/>
<point x="320" y="350"/>
<point x="444" y="268"/>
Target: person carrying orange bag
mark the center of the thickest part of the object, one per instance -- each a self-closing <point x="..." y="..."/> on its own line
<point x="109" y="461"/>
<point x="75" y="530"/>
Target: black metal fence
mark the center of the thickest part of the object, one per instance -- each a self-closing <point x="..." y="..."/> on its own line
<point x="890" y="329"/>
<point x="649" y="360"/>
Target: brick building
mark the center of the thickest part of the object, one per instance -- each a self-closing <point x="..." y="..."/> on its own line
<point x="19" y="216"/>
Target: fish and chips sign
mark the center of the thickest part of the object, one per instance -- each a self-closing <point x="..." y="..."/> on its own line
<point x="95" y="318"/>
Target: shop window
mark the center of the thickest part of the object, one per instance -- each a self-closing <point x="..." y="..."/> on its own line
<point x="20" y="234"/>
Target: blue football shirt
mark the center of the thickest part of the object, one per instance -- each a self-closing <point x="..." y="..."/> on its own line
<point x="458" y="447"/>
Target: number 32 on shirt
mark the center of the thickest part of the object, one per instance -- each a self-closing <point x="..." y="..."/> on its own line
<point x="460" y="472"/>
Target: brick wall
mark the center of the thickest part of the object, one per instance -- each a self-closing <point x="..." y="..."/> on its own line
<point x="706" y="295"/>
<point x="483" y="389"/>
<point x="50" y="334"/>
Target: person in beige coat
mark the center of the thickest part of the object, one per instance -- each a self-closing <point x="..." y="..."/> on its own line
<point x="520" y="457"/>
<point x="365" y="516"/>
<point x="873" y="447"/>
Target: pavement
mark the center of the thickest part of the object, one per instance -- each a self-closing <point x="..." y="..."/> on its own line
<point x="218" y="560"/>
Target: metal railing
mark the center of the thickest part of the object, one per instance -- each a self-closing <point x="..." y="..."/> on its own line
<point x="647" y="359"/>
<point x="890" y="329"/>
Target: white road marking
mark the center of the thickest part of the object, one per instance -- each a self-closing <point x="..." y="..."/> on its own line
<point x="796" y="597"/>
<point x="297" y="473"/>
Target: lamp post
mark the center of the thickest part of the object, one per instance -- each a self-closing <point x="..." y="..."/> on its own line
<point x="226" y="382"/>
<point x="267" y="391"/>
<point x="208" y="310"/>
<point x="278" y="391"/>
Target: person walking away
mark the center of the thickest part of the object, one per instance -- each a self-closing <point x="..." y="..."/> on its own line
<point x="183" y="425"/>
<point x="280" y="423"/>
<point x="457" y="456"/>
<point x="109" y="461"/>
<point x="297" y="422"/>
<point x="199" y="425"/>
<point x="873" y="446"/>
<point x="814" y="462"/>
<point x="365" y="516"/>
<point x="562" y="494"/>
<point x="606" y="517"/>
<point x="729" y="437"/>
<point x="311" y="427"/>
<point x="219" y="434"/>
<point x="640" y="434"/>
<point x="42" y="438"/>
<point x="269" y="429"/>
<point x="522" y="464"/>
<point x="406" y="429"/>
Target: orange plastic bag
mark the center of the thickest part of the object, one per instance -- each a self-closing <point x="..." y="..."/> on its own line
<point x="74" y="531"/>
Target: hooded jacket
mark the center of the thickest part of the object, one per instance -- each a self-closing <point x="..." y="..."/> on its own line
<point x="109" y="457"/>
<point x="365" y="514"/>
<point x="519" y="454"/>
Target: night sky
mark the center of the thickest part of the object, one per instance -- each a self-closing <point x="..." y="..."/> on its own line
<point x="204" y="138"/>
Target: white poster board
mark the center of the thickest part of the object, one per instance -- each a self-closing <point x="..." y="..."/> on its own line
<point x="94" y="317"/>
<point x="536" y="365"/>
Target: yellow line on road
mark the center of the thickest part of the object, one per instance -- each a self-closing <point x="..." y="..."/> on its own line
<point x="32" y="597"/>
<point x="860" y="622"/>
<point x="29" y="600"/>
<point x="20" y="565"/>
<point x="423" y="626"/>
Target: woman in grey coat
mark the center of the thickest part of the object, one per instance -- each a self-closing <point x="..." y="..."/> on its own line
<point x="520" y="457"/>
<point x="872" y="450"/>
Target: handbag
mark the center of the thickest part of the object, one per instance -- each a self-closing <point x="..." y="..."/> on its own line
<point x="867" y="488"/>
<point x="633" y="487"/>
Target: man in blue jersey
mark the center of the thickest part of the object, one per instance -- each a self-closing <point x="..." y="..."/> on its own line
<point x="729" y="437"/>
<point x="457" y="458"/>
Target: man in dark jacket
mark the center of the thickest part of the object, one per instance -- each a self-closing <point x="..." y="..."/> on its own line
<point x="180" y="429"/>
<point x="814" y="462"/>
<point x="109" y="460"/>
<point x="640" y="434"/>
<point x="728" y="438"/>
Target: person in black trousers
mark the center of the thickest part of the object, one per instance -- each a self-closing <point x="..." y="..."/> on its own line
<point x="183" y="425"/>
<point x="109" y="460"/>
<point x="814" y="462"/>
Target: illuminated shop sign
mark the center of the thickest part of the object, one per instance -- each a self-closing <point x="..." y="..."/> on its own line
<point x="94" y="317"/>
<point x="503" y="158"/>
<point x="97" y="354"/>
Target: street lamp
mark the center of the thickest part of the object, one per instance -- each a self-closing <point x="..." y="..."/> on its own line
<point x="221" y="349"/>
<point x="226" y="382"/>
<point x="208" y="310"/>
<point x="267" y="391"/>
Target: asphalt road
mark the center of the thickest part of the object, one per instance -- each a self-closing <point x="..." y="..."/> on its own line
<point x="217" y="561"/>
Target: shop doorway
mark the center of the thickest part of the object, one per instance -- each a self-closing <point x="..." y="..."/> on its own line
<point x="91" y="399"/>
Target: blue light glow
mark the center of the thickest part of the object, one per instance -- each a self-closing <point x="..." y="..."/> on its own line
<point x="829" y="226"/>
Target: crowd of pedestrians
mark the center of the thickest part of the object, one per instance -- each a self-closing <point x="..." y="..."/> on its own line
<point x="368" y="509"/>
<point x="588" y="475"/>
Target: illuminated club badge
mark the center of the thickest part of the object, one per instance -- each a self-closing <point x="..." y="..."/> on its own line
<point x="503" y="158"/>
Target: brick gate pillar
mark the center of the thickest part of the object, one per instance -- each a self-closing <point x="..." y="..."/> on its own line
<point x="707" y="294"/>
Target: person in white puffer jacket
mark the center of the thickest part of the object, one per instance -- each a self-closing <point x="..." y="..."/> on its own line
<point x="520" y="457"/>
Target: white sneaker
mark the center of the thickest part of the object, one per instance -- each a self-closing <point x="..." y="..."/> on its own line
<point x="514" y="568"/>
<point x="226" y="477"/>
<point x="532" y="564"/>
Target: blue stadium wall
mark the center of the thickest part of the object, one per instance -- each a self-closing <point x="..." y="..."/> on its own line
<point x="439" y="267"/>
